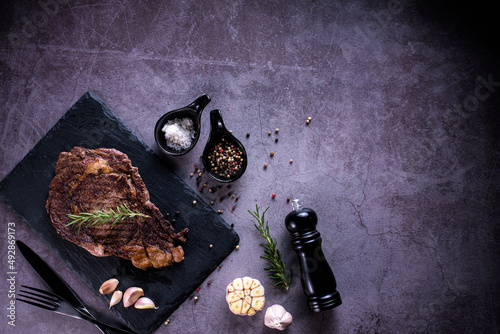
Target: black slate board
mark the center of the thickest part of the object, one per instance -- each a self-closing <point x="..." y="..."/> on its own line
<point x="89" y="123"/>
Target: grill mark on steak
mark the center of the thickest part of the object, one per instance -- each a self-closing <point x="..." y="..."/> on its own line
<point x="102" y="179"/>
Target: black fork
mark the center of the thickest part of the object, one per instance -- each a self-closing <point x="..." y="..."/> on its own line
<point x="52" y="302"/>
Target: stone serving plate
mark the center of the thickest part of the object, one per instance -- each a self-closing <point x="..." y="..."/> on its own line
<point x="89" y="123"/>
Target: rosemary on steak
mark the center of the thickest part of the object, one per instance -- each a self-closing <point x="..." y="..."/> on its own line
<point x="276" y="266"/>
<point x="100" y="217"/>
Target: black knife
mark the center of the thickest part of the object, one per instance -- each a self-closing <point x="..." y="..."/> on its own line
<point x="54" y="281"/>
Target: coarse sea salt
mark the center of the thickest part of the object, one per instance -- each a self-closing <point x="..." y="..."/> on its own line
<point x="179" y="133"/>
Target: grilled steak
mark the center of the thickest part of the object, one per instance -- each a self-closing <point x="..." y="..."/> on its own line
<point x="103" y="179"/>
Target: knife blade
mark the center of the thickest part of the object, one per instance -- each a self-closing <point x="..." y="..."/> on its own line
<point x="54" y="281"/>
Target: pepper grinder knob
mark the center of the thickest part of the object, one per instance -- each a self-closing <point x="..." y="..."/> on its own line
<point x="318" y="281"/>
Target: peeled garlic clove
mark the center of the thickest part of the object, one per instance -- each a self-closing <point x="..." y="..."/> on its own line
<point x="144" y="303"/>
<point x="115" y="298"/>
<point x="277" y="317"/>
<point x="108" y="286"/>
<point x="131" y="296"/>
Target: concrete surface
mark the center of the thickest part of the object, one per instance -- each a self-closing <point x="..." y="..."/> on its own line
<point x="400" y="160"/>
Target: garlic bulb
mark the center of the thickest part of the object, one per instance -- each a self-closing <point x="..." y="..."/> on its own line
<point x="277" y="317"/>
<point x="245" y="296"/>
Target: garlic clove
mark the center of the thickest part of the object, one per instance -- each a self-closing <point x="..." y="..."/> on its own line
<point x="258" y="303"/>
<point x="115" y="298"/>
<point x="144" y="303"/>
<point x="236" y="306"/>
<point x="232" y="297"/>
<point x="108" y="286"/>
<point x="246" y="306"/>
<point x="131" y="296"/>
<point x="277" y="317"/>
<point x="238" y="284"/>
<point x="257" y="292"/>
<point x="247" y="282"/>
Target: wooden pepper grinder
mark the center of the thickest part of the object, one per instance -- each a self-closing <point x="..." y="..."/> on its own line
<point x="316" y="275"/>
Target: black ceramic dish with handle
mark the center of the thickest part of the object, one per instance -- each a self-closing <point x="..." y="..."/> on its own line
<point x="192" y="111"/>
<point x="218" y="135"/>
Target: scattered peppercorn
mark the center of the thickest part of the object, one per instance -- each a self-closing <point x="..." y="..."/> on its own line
<point x="269" y="133"/>
<point x="291" y="160"/>
<point x="237" y="246"/>
<point x="288" y="199"/>
<point x="277" y="130"/>
<point x="194" y="202"/>
<point x="309" y="118"/>
<point x="248" y="135"/>
<point x="275" y="140"/>
<point x="191" y="174"/>
<point x="211" y="246"/>
<point x="232" y="225"/>
<point x="177" y="212"/>
<point x="167" y="322"/>
<point x="308" y="121"/>
<point x="212" y="202"/>
<point x="208" y="283"/>
<point x="265" y="166"/>
<point x="196" y="299"/>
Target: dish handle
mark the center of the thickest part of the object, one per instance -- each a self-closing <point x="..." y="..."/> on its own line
<point x="200" y="103"/>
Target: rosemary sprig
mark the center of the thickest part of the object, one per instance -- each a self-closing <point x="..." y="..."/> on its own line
<point x="277" y="266"/>
<point x="100" y="217"/>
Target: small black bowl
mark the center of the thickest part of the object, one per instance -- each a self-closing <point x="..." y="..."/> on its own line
<point x="219" y="134"/>
<point x="192" y="111"/>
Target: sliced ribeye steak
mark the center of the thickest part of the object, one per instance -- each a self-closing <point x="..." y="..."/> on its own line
<point x="102" y="179"/>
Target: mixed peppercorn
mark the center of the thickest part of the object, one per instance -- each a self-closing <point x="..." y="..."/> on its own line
<point x="225" y="159"/>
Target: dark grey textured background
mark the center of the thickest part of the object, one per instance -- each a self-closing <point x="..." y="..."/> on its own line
<point x="400" y="160"/>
